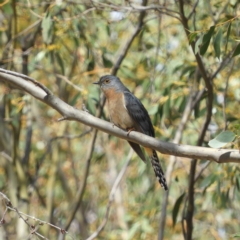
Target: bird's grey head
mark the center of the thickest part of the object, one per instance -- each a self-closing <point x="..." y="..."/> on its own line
<point x="110" y="82"/>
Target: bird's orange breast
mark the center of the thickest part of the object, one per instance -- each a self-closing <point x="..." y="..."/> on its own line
<point x="117" y="111"/>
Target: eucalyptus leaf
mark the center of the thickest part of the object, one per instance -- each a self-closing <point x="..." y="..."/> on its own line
<point x="206" y="40"/>
<point x="228" y="33"/>
<point x="198" y="43"/>
<point x="176" y="208"/>
<point x="47" y="29"/>
<point x="222" y="139"/>
<point x="192" y="36"/>
<point x="217" y="43"/>
<point x="236" y="51"/>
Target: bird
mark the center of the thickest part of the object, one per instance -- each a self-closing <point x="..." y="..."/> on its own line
<point x="128" y="113"/>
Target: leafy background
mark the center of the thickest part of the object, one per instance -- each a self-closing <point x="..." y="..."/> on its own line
<point x="68" y="45"/>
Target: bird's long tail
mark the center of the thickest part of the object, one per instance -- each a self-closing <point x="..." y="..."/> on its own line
<point x="157" y="167"/>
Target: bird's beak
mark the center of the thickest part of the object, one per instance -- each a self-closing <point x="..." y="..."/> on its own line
<point x="96" y="83"/>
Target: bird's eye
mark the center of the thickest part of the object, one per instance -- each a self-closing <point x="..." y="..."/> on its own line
<point x="107" y="81"/>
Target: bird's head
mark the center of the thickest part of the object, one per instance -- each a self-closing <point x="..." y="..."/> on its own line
<point x="108" y="82"/>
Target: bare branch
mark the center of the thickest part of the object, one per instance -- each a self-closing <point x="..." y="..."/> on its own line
<point x="201" y="171"/>
<point x="193" y="9"/>
<point x="129" y="42"/>
<point x="25" y="217"/>
<point x="81" y="191"/>
<point x="42" y="93"/>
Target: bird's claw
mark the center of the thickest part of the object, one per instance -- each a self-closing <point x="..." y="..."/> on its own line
<point x="129" y="130"/>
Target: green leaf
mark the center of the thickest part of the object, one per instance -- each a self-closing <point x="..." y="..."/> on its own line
<point x="190" y="69"/>
<point x="47" y="29"/>
<point x="206" y="40"/>
<point x="196" y="111"/>
<point x="217" y="43"/>
<point x="236" y="51"/>
<point x="7" y="8"/>
<point x="106" y="61"/>
<point x="222" y="139"/>
<point x="209" y="180"/>
<point x="198" y="43"/>
<point x="60" y="62"/>
<point x="228" y="33"/>
<point x="237" y="235"/>
<point x="134" y="228"/>
<point x="153" y="110"/>
<point x="176" y="208"/>
<point x="75" y="98"/>
<point x="191" y="37"/>
<point x="237" y="184"/>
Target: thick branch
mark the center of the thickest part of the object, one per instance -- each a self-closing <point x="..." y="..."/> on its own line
<point x="40" y="92"/>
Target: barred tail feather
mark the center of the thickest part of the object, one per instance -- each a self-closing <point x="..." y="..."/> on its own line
<point x="157" y="168"/>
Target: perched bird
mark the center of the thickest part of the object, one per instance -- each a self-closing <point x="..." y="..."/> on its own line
<point x="128" y="113"/>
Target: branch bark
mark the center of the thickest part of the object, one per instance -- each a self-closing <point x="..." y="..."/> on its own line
<point x="68" y="112"/>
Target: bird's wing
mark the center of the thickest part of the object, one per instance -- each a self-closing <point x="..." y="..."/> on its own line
<point x="139" y="114"/>
<point x="143" y="124"/>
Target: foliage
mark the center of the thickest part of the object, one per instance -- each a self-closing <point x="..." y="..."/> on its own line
<point x="222" y="139"/>
<point x="68" y="45"/>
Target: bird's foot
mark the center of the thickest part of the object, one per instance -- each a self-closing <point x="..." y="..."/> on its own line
<point x="129" y="130"/>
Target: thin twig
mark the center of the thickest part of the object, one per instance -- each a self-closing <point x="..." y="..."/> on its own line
<point x="69" y="82"/>
<point x="49" y="144"/>
<point x="223" y="64"/>
<point x="198" y="175"/>
<point x="46" y="90"/>
<point x="21" y="215"/>
<point x="129" y="42"/>
<point x="6" y="156"/>
<point x="111" y="197"/>
<point x="62" y="77"/>
<point x="31" y="227"/>
<point x="193" y="9"/>
<point x="35" y="14"/>
<point x="81" y="191"/>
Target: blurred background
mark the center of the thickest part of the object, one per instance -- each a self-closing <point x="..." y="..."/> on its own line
<point x="63" y="172"/>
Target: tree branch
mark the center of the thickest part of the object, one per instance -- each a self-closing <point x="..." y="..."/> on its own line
<point x="40" y="92"/>
<point x="25" y="217"/>
<point x="81" y="191"/>
<point x="129" y="43"/>
<point x="209" y="103"/>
